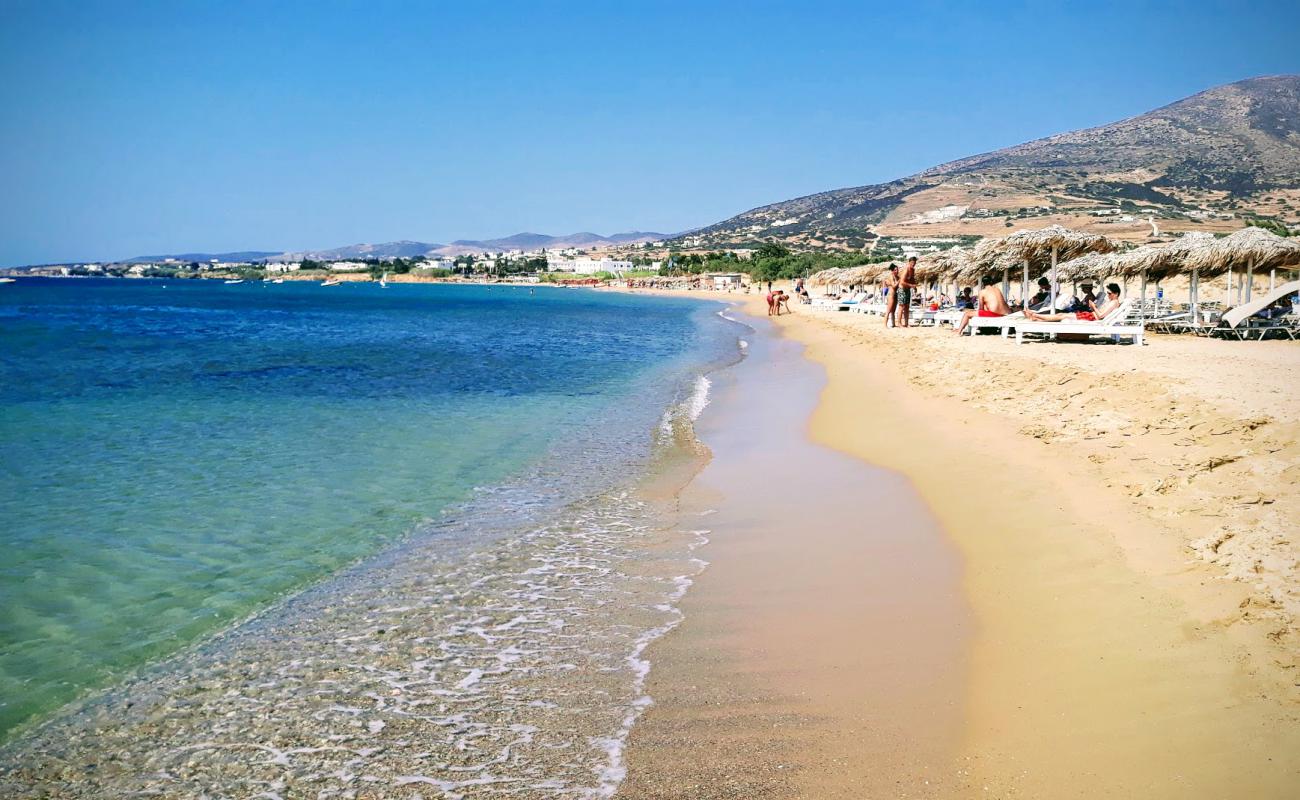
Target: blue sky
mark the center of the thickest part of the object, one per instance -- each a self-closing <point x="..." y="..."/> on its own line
<point x="138" y="128"/>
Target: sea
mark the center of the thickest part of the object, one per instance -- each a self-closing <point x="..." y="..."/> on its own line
<point x="291" y="540"/>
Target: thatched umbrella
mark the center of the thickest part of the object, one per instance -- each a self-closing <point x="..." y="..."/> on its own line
<point x="1055" y="242"/>
<point x="1248" y="249"/>
<point x="1159" y="261"/>
<point x="825" y="277"/>
<point x="1092" y="267"/>
<point x="943" y="265"/>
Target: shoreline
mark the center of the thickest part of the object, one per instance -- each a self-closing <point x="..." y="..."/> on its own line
<point x="1109" y="652"/>
<point x="792" y="672"/>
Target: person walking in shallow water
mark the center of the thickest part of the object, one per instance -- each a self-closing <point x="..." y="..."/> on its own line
<point x="906" y="283"/>
<point x="891" y="293"/>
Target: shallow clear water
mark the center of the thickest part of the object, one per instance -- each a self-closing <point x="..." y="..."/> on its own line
<point x="176" y="455"/>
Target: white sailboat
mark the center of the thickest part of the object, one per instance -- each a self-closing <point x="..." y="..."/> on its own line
<point x="383" y="281"/>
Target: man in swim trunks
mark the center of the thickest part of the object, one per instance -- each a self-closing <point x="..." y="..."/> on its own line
<point x="991" y="303"/>
<point x="891" y="292"/>
<point x="906" y="284"/>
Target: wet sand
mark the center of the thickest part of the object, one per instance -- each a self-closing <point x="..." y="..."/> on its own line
<point x="822" y="652"/>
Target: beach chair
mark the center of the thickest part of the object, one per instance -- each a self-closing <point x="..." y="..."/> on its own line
<point x="1001" y="324"/>
<point x="1241" y="322"/>
<point x="948" y="316"/>
<point x="851" y="303"/>
<point x="1117" y="325"/>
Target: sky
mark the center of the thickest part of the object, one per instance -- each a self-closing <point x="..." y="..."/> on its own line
<point x="138" y="128"/>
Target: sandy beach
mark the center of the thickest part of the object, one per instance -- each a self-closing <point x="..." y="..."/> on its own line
<point x="1124" y="523"/>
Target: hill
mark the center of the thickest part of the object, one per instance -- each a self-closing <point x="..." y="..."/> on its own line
<point x="241" y="255"/>
<point x="1200" y="163"/>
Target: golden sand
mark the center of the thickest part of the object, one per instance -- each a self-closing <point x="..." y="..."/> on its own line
<point x="1126" y="518"/>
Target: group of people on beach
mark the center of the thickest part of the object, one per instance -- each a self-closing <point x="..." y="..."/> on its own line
<point x="899" y="287"/>
<point x="1042" y="307"/>
<point x="778" y="301"/>
<point x="898" y="293"/>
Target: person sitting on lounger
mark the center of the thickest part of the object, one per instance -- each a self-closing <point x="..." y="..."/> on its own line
<point x="1098" y="312"/>
<point x="965" y="300"/>
<point x="992" y="303"/>
<point x="1043" y="299"/>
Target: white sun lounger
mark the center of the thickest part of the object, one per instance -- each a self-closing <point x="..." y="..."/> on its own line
<point x="1241" y="317"/>
<point x="1112" y="325"/>
<point x="1001" y="324"/>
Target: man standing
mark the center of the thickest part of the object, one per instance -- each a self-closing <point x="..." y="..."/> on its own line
<point x="891" y="292"/>
<point x="905" y="286"/>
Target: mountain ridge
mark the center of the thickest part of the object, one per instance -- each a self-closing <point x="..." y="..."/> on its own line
<point x="1228" y="150"/>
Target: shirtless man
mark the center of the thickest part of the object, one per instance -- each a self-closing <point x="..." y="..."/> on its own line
<point x="991" y="303"/>
<point x="890" y="280"/>
<point x="906" y="284"/>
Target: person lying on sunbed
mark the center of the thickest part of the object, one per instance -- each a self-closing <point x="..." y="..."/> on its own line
<point x="1279" y="309"/>
<point x="992" y="303"/>
<point x="1098" y="312"/>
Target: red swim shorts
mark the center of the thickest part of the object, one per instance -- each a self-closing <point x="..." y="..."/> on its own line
<point x="984" y="312"/>
<point x="1085" y="316"/>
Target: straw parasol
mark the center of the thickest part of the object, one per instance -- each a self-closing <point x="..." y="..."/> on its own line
<point x="943" y="264"/>
<point x="1159" y="261"/>
<point x="1248" y="248"/>
<point x="1092" y="267"/>
<point x="825" y="277"/>
<point x="1041" y="246"/>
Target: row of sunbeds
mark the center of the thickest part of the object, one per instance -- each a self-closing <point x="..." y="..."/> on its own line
<point x="1131" y="321"/>
<point x="1118" y="325"/>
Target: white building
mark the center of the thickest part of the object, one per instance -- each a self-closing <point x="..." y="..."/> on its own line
<point x="588" y="266"/>
<point x="348" y="266"/>
<point x="284" y="267"/>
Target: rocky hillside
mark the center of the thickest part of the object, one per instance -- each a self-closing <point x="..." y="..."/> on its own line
<point x="1201" y="163"/>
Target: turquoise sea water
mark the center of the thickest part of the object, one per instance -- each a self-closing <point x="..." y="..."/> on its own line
<point x="176" y="455"/>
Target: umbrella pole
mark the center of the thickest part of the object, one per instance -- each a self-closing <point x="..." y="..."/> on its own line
<point x="1006" y="281"/>
<point x="1143" y="314"/>
<point x="1053" y="308"/>
<point x="1272" y="280"/>
<point x="1024" y="287"/>
<point x="1250" y="279"/>
<point x="1191" y="295"/>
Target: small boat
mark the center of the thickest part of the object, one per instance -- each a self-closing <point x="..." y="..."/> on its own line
<point x="383" y="281"/>
<point x="233" y="281"/>
<point x="331" y="282"/>
<point x="6" y="280"/>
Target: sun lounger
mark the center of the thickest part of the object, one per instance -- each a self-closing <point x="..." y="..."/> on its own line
<point x="1241" y="321"/>
<point x="1001" y="324"/>
<point x="1115" y="325"/>
<point x="874" y="307"/>
<point x="949" y="316"/>
<point x="848" y="305"/>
